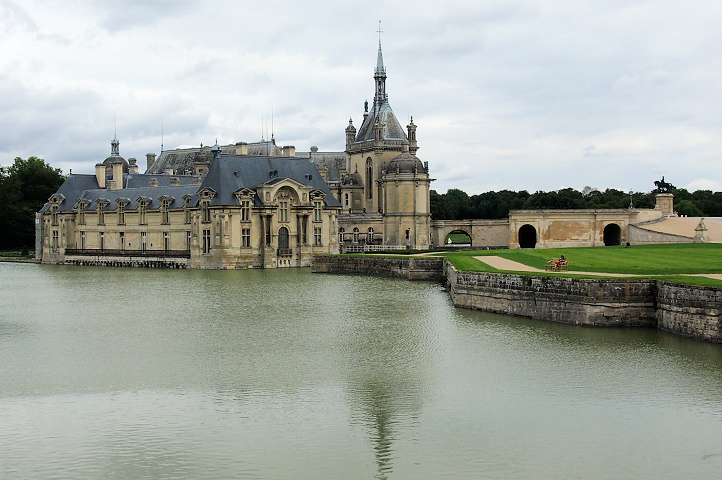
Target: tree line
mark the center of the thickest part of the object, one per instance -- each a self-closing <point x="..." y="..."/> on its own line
<point x="25" y="186"/>
<point x="455" y="204"/>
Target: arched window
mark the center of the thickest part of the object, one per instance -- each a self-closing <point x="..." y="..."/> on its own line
<point x="355" y="234"/>
<point x="283" y="238"/>
<point x="341" y="233"/>
<point x="370" y="236"/>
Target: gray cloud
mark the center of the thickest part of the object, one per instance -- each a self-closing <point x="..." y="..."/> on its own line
<point x="506" y="94"/>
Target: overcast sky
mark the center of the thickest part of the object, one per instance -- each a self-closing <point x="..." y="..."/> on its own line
<point x="509" y="94"/>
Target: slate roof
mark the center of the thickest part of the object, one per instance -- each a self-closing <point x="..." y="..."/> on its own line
<point x="232" y="173"/>
<point x="392" y="129"/>
<point x="181" y="159"/>
<point x="333" y="161"/>
<point x="225" y="176"/>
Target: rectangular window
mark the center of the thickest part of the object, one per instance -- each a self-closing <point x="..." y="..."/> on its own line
<point x="246" y="237"/>
<point x="245" y="210"/>
<point x="317" y="211"/>
<point x="121" y="241"/>
<point x="166" y="241"/>
<point x="101" y="215"/>
<point x="206" y="241"/>
<point x="188" y="240"/>
<point x="82" y="240"/>
<point x="283" y="211"/>
<point x="317" y="236"/>
<point x="55" y="243"/>
<point x="121" y="214"/>
<point x="205" y="212"/>
<point x="54" y="213"/>
<point x="143" y="241"/>
<point x="102" y="240"/>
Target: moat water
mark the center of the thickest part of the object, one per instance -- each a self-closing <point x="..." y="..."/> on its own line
<point x="283" y="374"/>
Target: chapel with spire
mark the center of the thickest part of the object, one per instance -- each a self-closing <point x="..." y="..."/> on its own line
<point x="386" y="186"/>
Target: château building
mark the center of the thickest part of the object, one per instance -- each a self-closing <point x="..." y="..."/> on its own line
<point x="246" y="205"/>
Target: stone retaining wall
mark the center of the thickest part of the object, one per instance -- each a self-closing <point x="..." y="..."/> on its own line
<point x="690" y="310"/>
<point x="608" y="303"/>
<point x="410" y="268"/>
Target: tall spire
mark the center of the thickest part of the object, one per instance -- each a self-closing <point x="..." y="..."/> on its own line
<point x="380" y="77"/>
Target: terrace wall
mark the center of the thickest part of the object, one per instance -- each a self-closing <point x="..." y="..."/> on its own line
<point x="688" y="310"/>
<point x="410" y="268"/>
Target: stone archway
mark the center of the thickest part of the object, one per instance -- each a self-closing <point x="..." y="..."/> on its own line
<point x="458" y="237"/>
<point x="612" y="235"/>
<point x="527" y="236"/>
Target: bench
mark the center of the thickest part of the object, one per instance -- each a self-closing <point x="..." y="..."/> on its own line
<point x="555" y="265"/>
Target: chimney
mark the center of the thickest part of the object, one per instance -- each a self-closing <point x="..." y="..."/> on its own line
<point x="117" y="175"/>
<point x="174" y="181"/>
<point x="132" y="165"/>
<point x="197" y="180"/>
<point x="289" y="151"/>
<point x="100" y="175"/>
<point x="241" y="148"/>
<point x="314" y="149"/>
<point x="153" y="182"/>
<point x="150" y="159"/>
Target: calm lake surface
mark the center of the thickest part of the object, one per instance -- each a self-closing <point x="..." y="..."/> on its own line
<point x="283" y="374"/>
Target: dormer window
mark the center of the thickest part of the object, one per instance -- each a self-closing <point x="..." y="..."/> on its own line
<point x="54" y="215"/>
<point x="80" y="213"/>
<point x="121" y="213"/>
<point x="142" y="217"/>
<point x="164" y="203"/>
<point x="245" y="210"/>
<point x="101" y="213"/>
<point x="205" y="211"/>
<point x="186" y="210"/>
<point x="317" y="210"/>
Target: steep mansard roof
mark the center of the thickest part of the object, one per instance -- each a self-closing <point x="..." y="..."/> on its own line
<point x="230" y="174"/>
<point x="226" y="176"/>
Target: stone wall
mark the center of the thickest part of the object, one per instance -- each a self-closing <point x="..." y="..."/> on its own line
<point x="690" y="310"/>
<point x="687" y="310"/>
<point x="609" y="303"/>
<point x="640" y="235"/>
<point x="411" y="268"/>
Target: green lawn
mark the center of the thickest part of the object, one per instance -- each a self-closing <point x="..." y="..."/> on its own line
<point x="669" y="261"/>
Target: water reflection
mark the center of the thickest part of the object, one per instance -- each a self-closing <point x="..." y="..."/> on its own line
<point x="284" y="374"/>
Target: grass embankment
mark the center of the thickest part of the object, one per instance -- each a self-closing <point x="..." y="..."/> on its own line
<point x="671" y="262"/>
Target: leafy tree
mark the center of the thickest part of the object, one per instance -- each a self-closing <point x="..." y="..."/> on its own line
<point x="688" y="208"/>
<point x="24" y="187"/>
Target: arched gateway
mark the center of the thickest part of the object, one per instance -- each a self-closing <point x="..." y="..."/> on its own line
<point x="527" y="236"/>
<point x="612" y="235"/>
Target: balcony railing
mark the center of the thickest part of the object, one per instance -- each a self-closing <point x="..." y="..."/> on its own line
<point x="108" y="252"/>
<point x="285" y="252"/>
